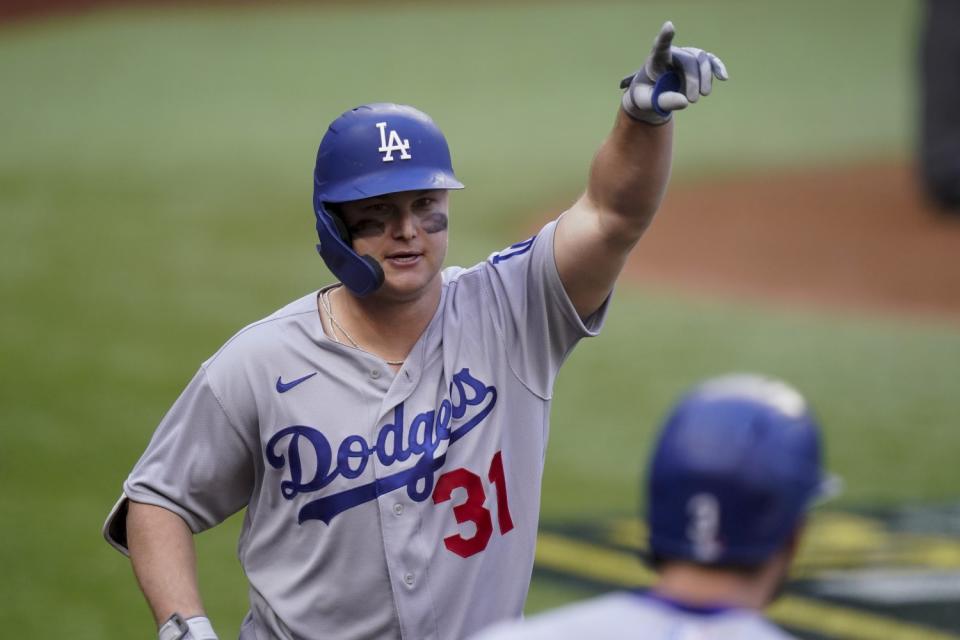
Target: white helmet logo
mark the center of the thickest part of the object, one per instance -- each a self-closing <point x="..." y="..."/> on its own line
<point x="393" y="143"/>
<point x="704" y="526"/>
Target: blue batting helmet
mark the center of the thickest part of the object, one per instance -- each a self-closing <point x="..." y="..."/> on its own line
<point x="369" y="151"/>
<point x="736" y="467"/>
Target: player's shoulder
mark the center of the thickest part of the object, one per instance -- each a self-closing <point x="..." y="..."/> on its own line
<point x="664" y="614"/>
<point x="526" y="248"/>
<point x="608" y="615"/>
<point x="461" y="283"/>
<point x="291" y="323"/>
<point x="510" y="254"/>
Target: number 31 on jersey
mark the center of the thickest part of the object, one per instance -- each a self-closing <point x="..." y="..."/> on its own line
<point x="472" y="509"/>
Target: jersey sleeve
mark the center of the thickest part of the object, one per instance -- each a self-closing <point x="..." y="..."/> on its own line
<point x="536" y="319"/>
<point x="199" y="464"/>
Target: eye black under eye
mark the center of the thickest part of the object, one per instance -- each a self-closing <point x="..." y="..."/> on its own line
<point x="363" y="228"/>
<point x="435" y="222"/>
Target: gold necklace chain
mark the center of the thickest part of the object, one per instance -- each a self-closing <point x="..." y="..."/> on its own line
<point x="328" y="308"/>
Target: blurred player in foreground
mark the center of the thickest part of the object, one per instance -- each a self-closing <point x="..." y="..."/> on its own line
<point x="386" y="433"/>
<point x="736" y="467"/>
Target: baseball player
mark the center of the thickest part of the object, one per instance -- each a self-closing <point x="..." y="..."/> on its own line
<point x="386" y="433"/>
<point x="735" y="469"/>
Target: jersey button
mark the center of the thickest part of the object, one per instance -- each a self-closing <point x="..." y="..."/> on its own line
<point x="374" y="373"/>
<point x="408" y="579"/>
<point x="398" y="509"/>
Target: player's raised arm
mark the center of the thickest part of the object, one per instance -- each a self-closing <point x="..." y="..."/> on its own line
<point x="629" y="174"/>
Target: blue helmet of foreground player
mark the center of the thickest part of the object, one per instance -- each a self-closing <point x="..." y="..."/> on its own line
<point x="373" y="150"/>
<point x="737" y="465"/>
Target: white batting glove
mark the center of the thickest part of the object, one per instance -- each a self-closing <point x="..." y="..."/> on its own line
<point x="671" y="78"/>
<point x="196" y="628"/>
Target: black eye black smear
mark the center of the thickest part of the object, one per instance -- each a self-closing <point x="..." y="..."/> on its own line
<point x="368" y="229"/>
<point x="435" y="222"/>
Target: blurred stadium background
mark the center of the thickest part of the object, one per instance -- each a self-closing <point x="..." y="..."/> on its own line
<point x="155" y="183"/>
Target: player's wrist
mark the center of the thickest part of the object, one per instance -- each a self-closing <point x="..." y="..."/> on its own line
<point x="177" y="627"/>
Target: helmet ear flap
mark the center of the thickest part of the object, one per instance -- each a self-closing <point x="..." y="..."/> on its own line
<point x="340" y="225"/>
<point x="375" y="268"/>
<point x="344" y="233"/>
<point x="361" y="274"/>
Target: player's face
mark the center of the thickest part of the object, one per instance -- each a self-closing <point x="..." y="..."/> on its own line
<point x="406" y="232"/>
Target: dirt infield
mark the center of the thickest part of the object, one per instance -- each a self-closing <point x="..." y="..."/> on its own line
<point x="859" y="238"/>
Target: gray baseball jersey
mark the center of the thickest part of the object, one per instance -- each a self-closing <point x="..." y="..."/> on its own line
<point x="633" y="615"/>
<point x="379" y="504"/>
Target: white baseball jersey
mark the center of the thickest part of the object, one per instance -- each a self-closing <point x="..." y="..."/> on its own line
<point x="638" y="615"/>
<point x="379" y="504"/>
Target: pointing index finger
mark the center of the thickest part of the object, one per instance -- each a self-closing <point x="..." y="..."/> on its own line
<point x="660" y="53"/>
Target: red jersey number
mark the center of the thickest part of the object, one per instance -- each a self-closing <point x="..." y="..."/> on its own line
<point x="472" y="509"/>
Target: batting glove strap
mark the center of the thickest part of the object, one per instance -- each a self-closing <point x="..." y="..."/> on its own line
<point x="196" y="628"/>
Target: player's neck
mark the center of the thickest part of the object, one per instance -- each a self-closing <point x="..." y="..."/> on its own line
<point x="700" y="586"/>
<point x="385" y="327"/>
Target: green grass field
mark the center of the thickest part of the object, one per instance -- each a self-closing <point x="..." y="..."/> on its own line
<point x="155" y="176"/>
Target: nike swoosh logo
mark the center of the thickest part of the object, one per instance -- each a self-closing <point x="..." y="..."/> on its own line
<point x="283" y="387"/>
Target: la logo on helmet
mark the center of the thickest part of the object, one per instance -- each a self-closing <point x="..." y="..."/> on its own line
<point x="395" y="143"/>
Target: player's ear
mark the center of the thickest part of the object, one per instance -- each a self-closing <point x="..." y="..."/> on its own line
<point x="792" y="545"/>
